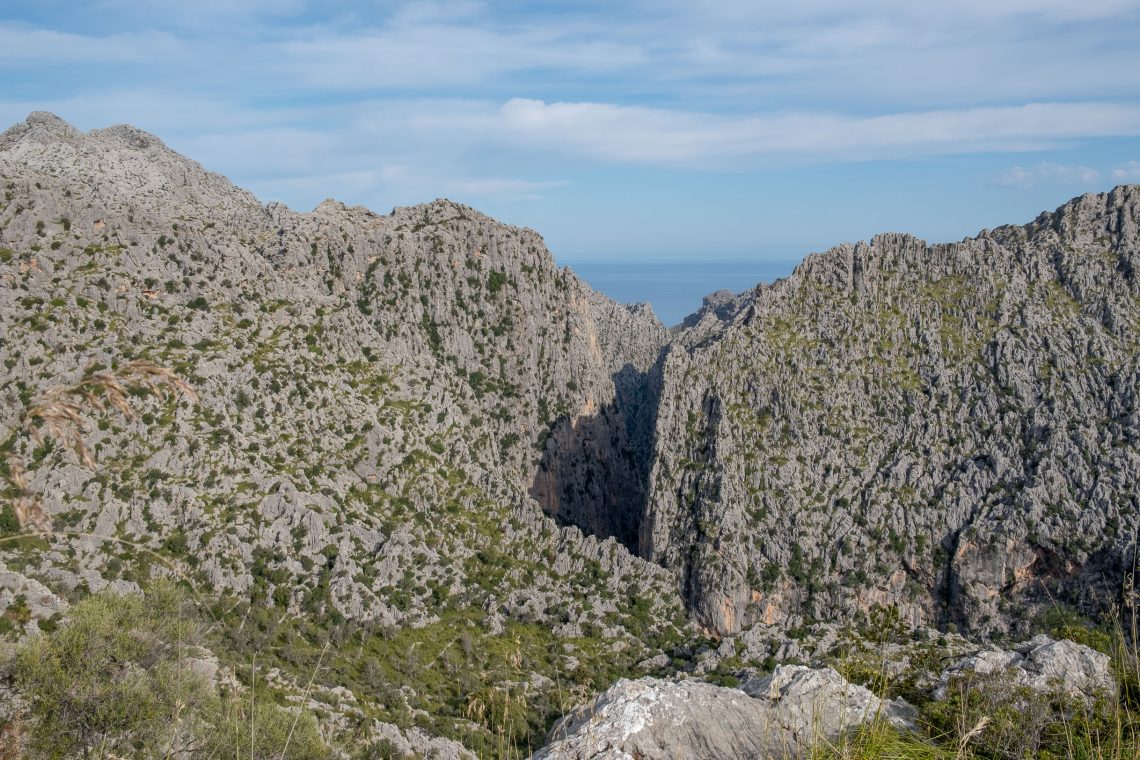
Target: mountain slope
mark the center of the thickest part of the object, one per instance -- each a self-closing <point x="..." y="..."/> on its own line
<point x="418" y="439"/>
<point x="949" y="428"/>
<point x="374" y="395"/>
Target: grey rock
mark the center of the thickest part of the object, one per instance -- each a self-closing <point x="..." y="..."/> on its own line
<point x="1042" y="664"/>
<point x="657" y="662"/>
<point x="907" y="424"/>
<point x="41" y="603"/>
<point x="813" y="702"/>
<point x="413" y="742"/>
<point x="779" y="716"/>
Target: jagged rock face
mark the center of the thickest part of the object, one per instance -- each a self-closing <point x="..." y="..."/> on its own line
<point x="950" y="428"/>
<point x="375" y="391"/>
<point x="595" y="466"/>
<point x="385" y="397"/>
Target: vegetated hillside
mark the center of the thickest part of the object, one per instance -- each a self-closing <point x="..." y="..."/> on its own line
<point x="405" y="422"/>
<point x="952" y="429"/>
<point x="374" y="397"/>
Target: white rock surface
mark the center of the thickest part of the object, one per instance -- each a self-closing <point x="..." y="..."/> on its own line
<point x="1043" y="664"/>
<point x="778" y="716"/>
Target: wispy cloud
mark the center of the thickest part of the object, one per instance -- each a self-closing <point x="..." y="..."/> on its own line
<point x="45" y="46"/>
<point x="919" y="14"/>
<point x="511" y="189"/>
<point x="202" y="15"/>
<point x="625" y="134"/>
<point x="402" y="181"/>
<point x="1046" y="173"/>
<point x="407" y="149"/>
<point x="1128" y="172"/>
<point x="419" y="52"/>
<point x="885" y="52"/>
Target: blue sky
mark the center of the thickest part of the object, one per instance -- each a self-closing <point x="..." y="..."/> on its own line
<point x="703" y="129"/>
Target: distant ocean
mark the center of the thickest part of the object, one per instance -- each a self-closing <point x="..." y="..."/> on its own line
<point x="675" y="289"/>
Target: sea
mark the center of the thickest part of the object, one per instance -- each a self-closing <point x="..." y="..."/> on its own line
<point x="674" y="289"/>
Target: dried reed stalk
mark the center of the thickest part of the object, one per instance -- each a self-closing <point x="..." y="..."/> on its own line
<point x="58" y="414"/>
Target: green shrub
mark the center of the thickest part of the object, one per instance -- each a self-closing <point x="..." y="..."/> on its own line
<point x="9" y="525"/>
<point x="115" y="681"/>
<point x="496" y="281"/>
<point x="111" y="678"/>
<point x="273" y="735"/>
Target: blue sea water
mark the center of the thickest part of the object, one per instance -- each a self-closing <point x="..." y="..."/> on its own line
<point x="675" y="289"/>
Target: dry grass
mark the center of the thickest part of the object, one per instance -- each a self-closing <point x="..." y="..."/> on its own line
<point x="59" y="415"/>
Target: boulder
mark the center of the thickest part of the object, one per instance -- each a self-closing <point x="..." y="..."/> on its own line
<point x="813" y="702"/>
<point x="778" y="716"/>
<point x="1043" y="664"/>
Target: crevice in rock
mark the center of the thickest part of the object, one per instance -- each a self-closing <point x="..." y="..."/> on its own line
<point x="594" y="472"/>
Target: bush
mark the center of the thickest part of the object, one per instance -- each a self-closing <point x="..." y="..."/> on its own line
<point x="496" y="281"/>
<point x="273" y="733"/>
<point x="116" y="682"/>
<point x="1014" y="722"/>
<point x="111" y="678"/>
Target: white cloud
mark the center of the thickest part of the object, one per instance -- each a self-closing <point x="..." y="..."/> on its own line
<point x="632" y="134"/>
<point x="430" y="53"/>
<point x="917" y="14"/>
<point x="397" y="184"/>
<point x="384" y="152"/>
<point x="1129" y="172"/>
<point x="717" y="54"/>
<point x="20" y="43"/>
<point x="899" y="53"/>
<point x="205" y="15"/>
<point x="1047" y="173"/>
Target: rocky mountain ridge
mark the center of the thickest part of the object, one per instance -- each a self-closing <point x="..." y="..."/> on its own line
<point x="414" y="430"/>
<point x="374" y="397"/>
<point x="948" y="428"/>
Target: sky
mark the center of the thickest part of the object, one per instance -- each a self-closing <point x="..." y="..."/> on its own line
<point x="662" y="130"/>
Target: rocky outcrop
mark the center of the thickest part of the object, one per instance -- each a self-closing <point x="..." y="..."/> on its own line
<point x="24" y="602"/>
<point x="779" y="716"/>
<point x="413" y="742"/>
<point x="795" y="707"/>
<point x="1043" y="665"/>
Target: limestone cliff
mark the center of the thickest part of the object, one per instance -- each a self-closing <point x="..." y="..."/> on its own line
<point x="949" y="428"/>
<point x="417" y="422"/>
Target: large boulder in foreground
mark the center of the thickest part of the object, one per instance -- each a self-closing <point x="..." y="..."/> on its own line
<point x="778" y="716"/>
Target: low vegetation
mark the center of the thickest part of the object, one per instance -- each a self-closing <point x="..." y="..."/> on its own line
<point x="127" y="677"/>
<point x="992" y="717"/>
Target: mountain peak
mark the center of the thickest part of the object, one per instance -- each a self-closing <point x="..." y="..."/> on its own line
<point x="41" y="126"/>
<point x="125" y="164"/>
<point x="48" y="121"/>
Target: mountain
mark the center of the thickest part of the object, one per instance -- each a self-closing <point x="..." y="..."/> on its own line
<point x="375" y="394"/>
<point x="951" y="429"/>
<point x="417" y="438"/>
